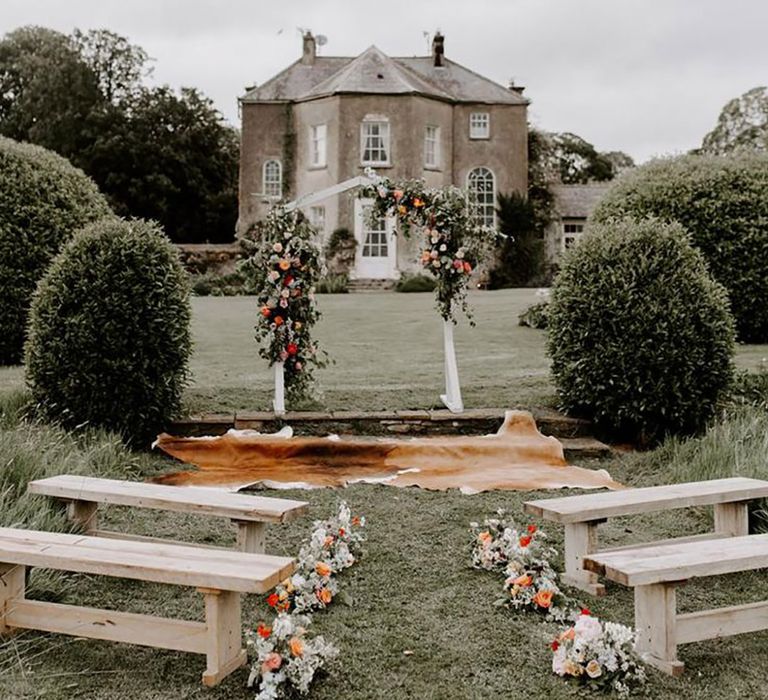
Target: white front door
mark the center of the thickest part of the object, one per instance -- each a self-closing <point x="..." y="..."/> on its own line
<point x="376" y="255"/>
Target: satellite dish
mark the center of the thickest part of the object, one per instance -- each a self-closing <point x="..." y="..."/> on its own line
<point x="321" y="39"/>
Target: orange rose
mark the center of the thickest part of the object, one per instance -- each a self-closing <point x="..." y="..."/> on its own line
<point x="402" y="210"/>
<point x="417" y="202"/>
<point x="273" y="599"/>
<point x="297" y="646"/>
<point x="265" y="311"/>
<point x="525" y="540"/>
<point x="284" y="265"/>
<point x="398" y="195"/>
<point x="328" y="541"/>
<point x="324" y="596"/>
<point x="543" y="598"/>
<point x="525" y="580"/>
<point x="531" y="529"/>
<point x="263" y="631"/>
<point x="569" y="634"/>
<point x="278" y="320"/>
<point x="356" y="520"/>
<point x="323" y="569"/>
<point x="485" y="537"/>
<point x="467" y="267"/>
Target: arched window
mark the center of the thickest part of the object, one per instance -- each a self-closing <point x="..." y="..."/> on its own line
<point x="482" y="195"/>
<point x="273" y="178"/>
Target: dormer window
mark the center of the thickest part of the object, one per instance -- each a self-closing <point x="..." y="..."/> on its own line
<point x="374" y="141"/>
<point x="479" y="125"/>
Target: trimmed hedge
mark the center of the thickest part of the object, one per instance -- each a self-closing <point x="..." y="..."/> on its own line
<point x="43" y="201"/>
<point x="722" y="201"/>
<point x="640" y="335"/>
<point x="109" y="336"/>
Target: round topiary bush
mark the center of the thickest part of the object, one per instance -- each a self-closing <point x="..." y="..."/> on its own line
<point x="109" y="337"/>
<point x="722" y="201"/>
<point x="640" y="335"/>
<point x="43" y="201"/>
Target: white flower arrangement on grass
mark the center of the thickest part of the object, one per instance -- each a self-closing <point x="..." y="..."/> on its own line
<point x="334" y="545"/>
<point x="286" y="661"/>
<point x="523" y="556"/>
<point x="600" y="655"/>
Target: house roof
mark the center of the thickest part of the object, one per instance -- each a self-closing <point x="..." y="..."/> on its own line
<point x="373" y="72"/>
<point x="578" y="201"/>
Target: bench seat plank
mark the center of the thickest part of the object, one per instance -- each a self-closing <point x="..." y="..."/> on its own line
<point x="157" y="562"/>
<point x="599" y="506"/>
<point x="108" y="625"/>
<point x="682" y="561"/>
<point x="184" y="499"/>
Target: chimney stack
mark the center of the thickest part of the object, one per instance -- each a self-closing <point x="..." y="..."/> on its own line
<point x="438" y="49"/>
<point x="516" y="88"/>
<point x="309" y="49"/>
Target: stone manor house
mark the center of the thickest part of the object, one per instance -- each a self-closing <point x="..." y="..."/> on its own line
<point x="325" y="119"/>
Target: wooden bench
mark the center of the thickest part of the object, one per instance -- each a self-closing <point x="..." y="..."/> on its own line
<point x="582" y="514"/>
<point x="251" y="514"/>
<point x="655" y="572"/>
<point x="220" y="575"/>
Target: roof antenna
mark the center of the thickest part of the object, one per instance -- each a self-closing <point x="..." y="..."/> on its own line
<point x="321" y="40"/>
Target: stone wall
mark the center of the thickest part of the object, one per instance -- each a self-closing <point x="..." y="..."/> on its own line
<point x="209" y="258"/>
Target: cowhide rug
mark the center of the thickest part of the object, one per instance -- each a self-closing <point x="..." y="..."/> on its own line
<point x="517" y="457"/>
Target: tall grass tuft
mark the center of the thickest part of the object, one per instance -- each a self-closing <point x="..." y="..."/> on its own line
<point x="735" y="445"/>
<point x="30" y="450"/>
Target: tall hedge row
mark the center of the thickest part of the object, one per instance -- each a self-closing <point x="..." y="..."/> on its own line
<point x="722" y="201"/>
<point x="43" y="201"/>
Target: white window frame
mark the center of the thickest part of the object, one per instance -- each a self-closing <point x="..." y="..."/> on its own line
<point x="431" y="146"/>
<point x="272" y="186"/>
<point x="375" y="227"/>
<point x="480" y="125"/>
<point x="318" y="148"/>
<point x="571" y="235"/>
<point x="384" y="134"/>
<point x="317" y="218"/>
<point x="485" y="211"/>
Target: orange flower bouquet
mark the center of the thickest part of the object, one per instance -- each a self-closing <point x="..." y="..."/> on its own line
<point x="285" y="659"/>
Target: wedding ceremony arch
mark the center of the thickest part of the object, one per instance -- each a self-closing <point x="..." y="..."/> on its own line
<point x="289" y="263"/>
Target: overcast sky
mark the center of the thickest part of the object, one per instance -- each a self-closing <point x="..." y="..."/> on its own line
<point x="643" y="76"/>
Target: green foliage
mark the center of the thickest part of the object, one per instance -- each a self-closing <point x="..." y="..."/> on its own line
<point x="415" y="283"/>
<point x="48" y="94"/>
<point x="535" y="316"/>
<point x="640" y="335"/>
<point x="520" y="252"/>
<point x="751" y="388"/>
<point x="109" y="337"/>
<point x="333" y="284"/>
<point x="154" y="153"/>
<point x="231" y="284"/>
<point x="541" y="175"/>
<point x="742" y="124"/>
<point x="43" y="201"/>
<point x="284" y="267"/>
<point x="339" y="251"/>
<point x="722" y="201"/>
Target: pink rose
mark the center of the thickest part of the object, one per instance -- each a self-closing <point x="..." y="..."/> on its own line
<point x="271" y="662"/>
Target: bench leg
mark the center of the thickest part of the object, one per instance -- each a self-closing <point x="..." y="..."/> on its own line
<point x="251" y="536"/>
<point x="655" y="620"/>
<point x="83" y="514"/>
<point x="12" y="586"/>
<point x="732" y="519"/>
<point x="225" y="652"/>
<point x="581" y="540"/>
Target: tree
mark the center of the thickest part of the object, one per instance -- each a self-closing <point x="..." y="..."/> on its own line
<point x="520" y="256"/>
<point x="743" y="123"/>
<point x="118" y="65"/>
<point x="47" y="92"/>
<point x="170" y="157"/>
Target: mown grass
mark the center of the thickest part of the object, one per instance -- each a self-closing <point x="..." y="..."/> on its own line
<point x="412" y="592"/>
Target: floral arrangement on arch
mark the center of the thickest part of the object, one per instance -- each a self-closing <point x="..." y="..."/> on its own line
<point x="285" y="657"/>
<point x="598" y="654"/>
<point x="334" y="545"/>
<point x="453" y="244"/>
<point x="285" y="265"/>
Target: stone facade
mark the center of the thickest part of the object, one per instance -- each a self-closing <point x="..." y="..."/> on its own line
<point x="411" y="97"/>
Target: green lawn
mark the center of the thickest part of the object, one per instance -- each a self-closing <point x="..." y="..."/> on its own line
<point x="387" y="350"/>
